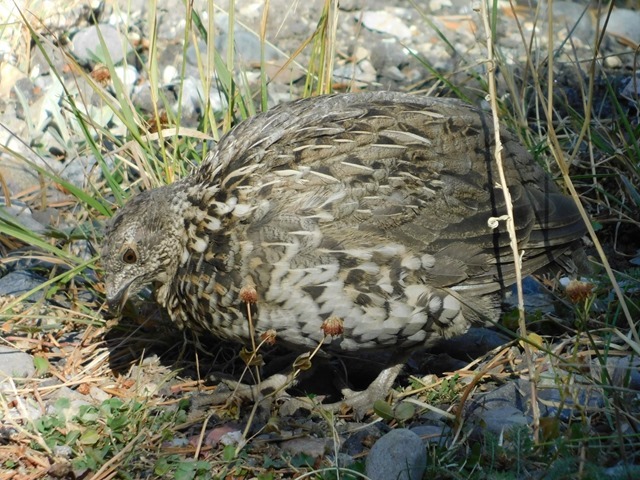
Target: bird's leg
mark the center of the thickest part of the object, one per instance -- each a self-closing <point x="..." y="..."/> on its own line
<point x="377" y="390"/>
<point x="274" y="385"/>
<point x="362" y="401"/>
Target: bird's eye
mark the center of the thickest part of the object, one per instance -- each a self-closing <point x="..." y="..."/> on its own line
<point x="129" y="256"/>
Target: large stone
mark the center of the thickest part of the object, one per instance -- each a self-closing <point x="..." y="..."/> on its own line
<point x="400" y="454"/>
<point x="89" y="49"/>
<point x="15" y="363"/>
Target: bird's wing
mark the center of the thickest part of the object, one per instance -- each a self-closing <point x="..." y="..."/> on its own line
<point x="418" y="173"/>
<point x="374" y="209"/>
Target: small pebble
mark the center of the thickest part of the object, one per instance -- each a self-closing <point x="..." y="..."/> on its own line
<point x="613" y="62"/>
<point x="386" y="22"/>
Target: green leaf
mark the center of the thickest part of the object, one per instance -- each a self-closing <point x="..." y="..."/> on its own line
<point x="41" y="364"/>
<point x="62" y="404"/>
<point x="191" y="469"/>
<point x="268" y="462"/>
<point x="383" y="410"/>
<point x="118" y="422"/>
<point x="72" y="437"/>
<point x="87" y="414"/>
<point x="302" y="460"/>
<point x="89" y="437"/>
<point x="405" y="411"/>
<point x="165" y="464"/>
<point x="229" y="453"/>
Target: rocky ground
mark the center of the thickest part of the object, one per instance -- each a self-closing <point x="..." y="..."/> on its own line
<point x="56" y="345"/>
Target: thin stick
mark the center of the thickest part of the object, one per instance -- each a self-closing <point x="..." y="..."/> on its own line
<point x="509" y="218"/>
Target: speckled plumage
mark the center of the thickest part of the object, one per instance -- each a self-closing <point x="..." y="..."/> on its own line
<point x="370" y="207"/>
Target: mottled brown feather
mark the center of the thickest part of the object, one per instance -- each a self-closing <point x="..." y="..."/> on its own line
<point x="371" y="207"/>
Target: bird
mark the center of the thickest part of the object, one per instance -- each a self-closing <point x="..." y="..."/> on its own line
<point x="378" y="212"/>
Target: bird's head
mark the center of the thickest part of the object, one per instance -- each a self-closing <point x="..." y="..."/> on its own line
<point x="141" y="245"/>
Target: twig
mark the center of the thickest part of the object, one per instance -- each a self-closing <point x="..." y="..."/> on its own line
<point x="509" y="217"/>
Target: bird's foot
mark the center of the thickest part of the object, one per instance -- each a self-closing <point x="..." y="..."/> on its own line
<point x="231" y="392"/>
<point x="359" y="403"/>
<point x="274" y="389"/>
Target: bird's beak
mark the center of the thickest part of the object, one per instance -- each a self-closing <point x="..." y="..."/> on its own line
<point x="116" y="300"/>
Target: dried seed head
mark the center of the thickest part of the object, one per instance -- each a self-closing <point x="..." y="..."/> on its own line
<point x="155" y="124"/>
<point x="578" y="291"/>
<point x="333" y="326"/>
<point x="101" y="75"/>
<point x="269" y="337"/>
<point x="84" y="388"/>
<point x="248" y="294"/>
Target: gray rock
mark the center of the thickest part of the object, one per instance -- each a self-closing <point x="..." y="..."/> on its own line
<point x="142" y="99"/>
<point x="40" y="64"/>
<point x="81" y="171"/>
<point x="22" y="215"/>
<point x="385" y="22"/>
<point x="28" y="258"/>
<point x="622" y="471"/>
<point x="128" y="76"/>
<point x="575" y="19"/>
<point x="438" y="434"/>
<point x="501" y="420"/>
<point x="314" y="447"/>
<point x="631" y="91"/>
<point x="475" y="342"/>
<point x="624" y="24"/>
<point x="359" y="72"/>
<point x="563" y="394"/>
<point x="536" y="297"/>
<point x="88" y="49"/>
<point x="76" y="400"/>
<point x="63" y="451"/>
<point x="351" y="5"/>
<point x="387" y="53"/>
<point x="573" y="400"/>
<point x="197" y="52"/>
<point x="512" y="394"/>
<point x="16" y="172"/>
<point x="400" y="454"/>
<point x="557" y="397"/>
<point x="15" y="363"/>
<point x="625" y="371"/>
<point x="24" y="409"/>
<point x="192" y="99"/>
<point x="247" y="47"/>
<point x="359" y="436"/>
<point x="17" y="283"/>
<point x="27" y="93"/>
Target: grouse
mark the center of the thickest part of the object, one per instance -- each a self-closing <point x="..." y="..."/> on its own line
<point x="370" y="209"/>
